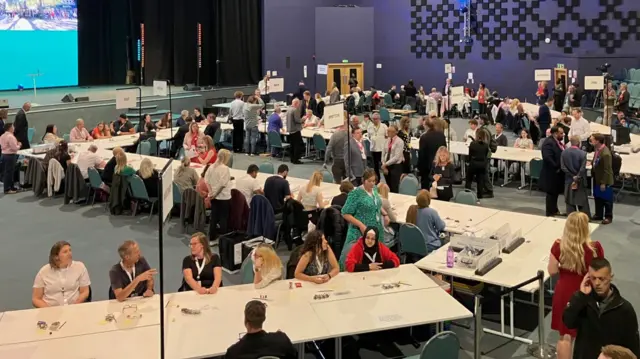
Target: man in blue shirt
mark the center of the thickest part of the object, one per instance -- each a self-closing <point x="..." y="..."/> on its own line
<point x="275" y="124"/>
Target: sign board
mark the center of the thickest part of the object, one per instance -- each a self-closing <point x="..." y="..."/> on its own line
<point x="304" y="71"/>
<point x="378" y="66"/>
<point x="167" y="191"/>
<point x="560" y="66"/>
<point x="333" y="115"/>
<point x="594" y="82"/>
<point x="323" y="69"/>
<point x="126" y="98"/>
<point x="457" y="95"/>
<point x="447" y="68"/>
<point x="160" y="88"/>
<point x="542" y="75"/>
<point x="276" y="85"/>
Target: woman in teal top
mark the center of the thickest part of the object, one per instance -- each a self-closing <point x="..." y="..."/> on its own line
<point x="363" y="209"/>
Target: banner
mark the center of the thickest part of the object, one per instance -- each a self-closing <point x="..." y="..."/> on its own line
<point x="542" y="75"/>
<point x="323" y="69"/>
<point x="457" y="95"/>
<point x="167" y="191"/>
<point x="276" y="85"/>
<point x="127" y="98"/>
<point x="594" y="82"/>
<point x="333" y="115"/>
<point x="160" y="88"/>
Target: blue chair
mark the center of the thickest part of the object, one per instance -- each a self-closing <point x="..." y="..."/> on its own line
<point x="154" y="146"/>
<point x="180" y="154"/>
<point x="95" y="185"/>
<point x="412" y="241"/>
<point x="475" y="107"/>
<point x="177" y="196"/>
<point x="444" y="345"/>
<point x="384" y="115"/>
<point x="139" y="193"/>
<point x="247" y="271"/>
<point x="409" y="186"/>
<point x="388" y="101"/>
<point x="217" y="136"/>
<point x="535" y="168"/>
<point x="319" y="144"/>
<point x="144" y="148"/>
<point x="367" y="147"/>
<point x="66" y="137"/>
<point x="31" y="131"/>
<point x="466" y="196"/>
<point x="327" y="177"/>
<point x="266" y="167"/>
<point x="276" y="142"/>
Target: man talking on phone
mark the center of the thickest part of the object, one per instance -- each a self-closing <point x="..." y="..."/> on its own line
<point x="600" y="315"/>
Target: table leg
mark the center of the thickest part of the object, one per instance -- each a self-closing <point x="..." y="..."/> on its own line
<point x="301" y="351"/>
<point x="523" y="178"/>
<point x="506" y="174"/>
<point x="502" y="333"/>
<point x="338" y="349"/>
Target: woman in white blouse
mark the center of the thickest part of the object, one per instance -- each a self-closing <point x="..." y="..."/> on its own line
<point x="523" y="142"/>
<point x="309" y="119"/>
<point x="218" y="179"/>
<point x="267" y="266"/>
<point x="62" y="281"/>
<point x="311" y="196"/>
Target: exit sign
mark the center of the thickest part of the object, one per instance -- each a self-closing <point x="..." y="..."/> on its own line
<point x="560" y="66"/>
<point x="345" y="61"/>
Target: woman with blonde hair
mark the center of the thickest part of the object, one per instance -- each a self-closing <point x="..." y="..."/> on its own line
<point x="267" y="266"/>
<point x="201" y="269"/>
<point x="149" y="176"/>
<point x="185" y="176"/>
<point x="122" y="168"/>
<point x="443" y="174"/>
<point x="206" y="152"/>
<point x="388" y="237"/>
<point x="404" y="132"/>
<point x="193" y="137"/>
<point x="218" y="179"/>
<point x="570" y="258"/>
<point x="311" y="196"/>
<point x="101" y="131"/>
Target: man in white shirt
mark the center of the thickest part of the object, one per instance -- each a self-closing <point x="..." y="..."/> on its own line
<point x="470" y="133"/>
<point x="236" y="115"/>
<point x="579" y="126"/>
<point x="263" y="87"/>
<point x="249" y="185"/>
<point x="90" y="159"/>
<point x="377" y="134"/>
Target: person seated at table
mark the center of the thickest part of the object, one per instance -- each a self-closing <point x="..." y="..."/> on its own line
<point x="149" y="132"/>
<point x="388" y="236"/>
<point x="524" y="141"/>
<point x="123" y="126"/>
<point x="429" y="221"/>
<point x="183" y="119"/>
<point x="621" y="120"/>
<point x="367" y="254"/>
<point x="197" y="115"/>
<point x="249" y="185"/>
<point x="257" y="343"/>
<point x="62" y="281"/>
<point x="470" y="133"/>
<point x="184" y="176"/>
<point x="443" y="174"/>
<point x="133" y="276"/>
<point x="201" y="270"/>
<point x="345" y="187"/>
<point x="277" y="189"/>
<point x="51" y="135"/>
<point x="203" y="189"/>
<point x="122" y="167"/>
<point x="142" y="125"/>
<point x="60" y="154"/>
<point x="309" y="120"/>
<point x="213" y="126"/>
<point x="207" y="153"/>
<point x="101" y="131"/>
<point x="149" y="176"/>
<point x="274" y="122"/>
<point x="110" y="167"/>
<point x="79" y="133"/>
<point x="267" y="267"/>
<point x="192" y="137"/>
<point x="90" y="159"/>
<point x="165" y="121"/>
<point x="318" y="263"/>
<point x="311" y="196"/>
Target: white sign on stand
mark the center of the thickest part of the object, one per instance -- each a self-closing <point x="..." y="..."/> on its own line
<point x="542" y="75"/>
<point x="333" y="115"/>
<point x="594" y="82"/>
<point x="447" y="68"/>
<point x="457" y="95"/>
<point x="323" y="69"/>
<point x="167" y="191"/>
<point x="127" y="98"/>
<point x="276" y="85"/>
<point x="160" y="88"/>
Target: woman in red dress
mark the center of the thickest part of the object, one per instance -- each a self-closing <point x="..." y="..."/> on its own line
<point x="570" y="258"/>
<point x="207" y="154"/>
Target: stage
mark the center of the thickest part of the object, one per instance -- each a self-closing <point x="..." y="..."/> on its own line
<point x="48" y="108"/>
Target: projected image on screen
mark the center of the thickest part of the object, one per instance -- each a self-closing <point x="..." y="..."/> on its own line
<point x="43" y="36"/>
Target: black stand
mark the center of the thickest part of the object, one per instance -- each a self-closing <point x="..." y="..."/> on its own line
<point x="218" y="73"/>
<point x="448" y="119"/>
<point x="161" y="257"/>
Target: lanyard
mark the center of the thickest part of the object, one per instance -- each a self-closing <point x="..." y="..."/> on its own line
<point x="372" y="259"/>
<point x="319" y="264"/>
<point x="61" y="276"/>
<point x="200" y="268"/>
<point x="130" y="275"/>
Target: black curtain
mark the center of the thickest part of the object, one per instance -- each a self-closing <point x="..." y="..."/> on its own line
<point x="106" y="40"/>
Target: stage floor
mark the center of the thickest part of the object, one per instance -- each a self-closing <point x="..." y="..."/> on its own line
<point x="53" y="96"/>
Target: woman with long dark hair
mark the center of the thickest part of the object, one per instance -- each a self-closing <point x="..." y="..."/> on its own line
<point x="318" y="263"/>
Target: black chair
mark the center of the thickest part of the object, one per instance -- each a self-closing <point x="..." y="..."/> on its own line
<point x="88" y="300"/>
<point x="112" y="295"/>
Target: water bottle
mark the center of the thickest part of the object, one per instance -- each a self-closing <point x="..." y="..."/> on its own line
<point x="450" y="257"/>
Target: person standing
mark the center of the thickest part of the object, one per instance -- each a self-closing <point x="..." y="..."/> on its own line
<point x="544" y="116"/>
<point x="559" y="94"/>
<point x="622" y="103"/>
<point x="570" y="258"/>
<point x="355" y="159"/>
<point x="580" y="127"/>
<point x="251" y="111"/>
<point x="294" y="127"/>
<point x="551" y="176"/>
<point x="377" y="133"/>
<point x="218" y="179"/>
<point x="479" y="155"/>
<point x="600" y="315"/>
<point x="21" y="126"/>
<point x="236" y="115"/>
<point x="543" y="93"/>
<point x="392" y="159"/>
<point x="602" y="179"/>
<point x="609" y="103"/>
<point x="430" y="142"/>
<point x="9" y="146"/>
<point x="616" y="352"/>
<point x="573" y="162"/>
<point x="263" y="87"/>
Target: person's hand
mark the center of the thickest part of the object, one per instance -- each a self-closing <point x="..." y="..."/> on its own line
<point x="319" y="279"/>
<point x="603" y="187"/>
<point x="375" y="266"/>
<point x="145" y="276"/>
<point x="585" y="286"/>
<point x="19" y="144"/>
<point x="147" y="293"/>
<point x="386" y="220"/>
<point x="362" y="228"/>
<point x="202" y="290"/>
<point x="437" y="177"/>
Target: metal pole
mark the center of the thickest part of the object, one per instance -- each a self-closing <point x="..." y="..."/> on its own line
<point x="161" y="266"/>
<point x="477" y="336"/>
<point x="541" y="350"/>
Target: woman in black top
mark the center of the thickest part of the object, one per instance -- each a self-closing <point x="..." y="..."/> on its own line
<point x="149" y="176"/>
<point x="443" y="174"/>
<point x="479" y="154"/>
<point x="201" y="269"/>
<point x="405" y="135"/>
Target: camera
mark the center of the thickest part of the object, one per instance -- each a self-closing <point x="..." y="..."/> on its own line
<point x="604" y="68"/>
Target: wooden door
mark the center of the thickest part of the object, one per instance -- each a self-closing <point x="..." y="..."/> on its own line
<point x="560" y="74"/>
<point x="341" y="73"/>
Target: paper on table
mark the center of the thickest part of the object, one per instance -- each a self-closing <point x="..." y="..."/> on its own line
<point x="390" y="318"/>
<point x="545" y="259"/>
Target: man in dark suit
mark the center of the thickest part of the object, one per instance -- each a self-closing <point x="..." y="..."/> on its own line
<point x="623" y="99"/>
<point x="544" y="116"/>
<point x="551" y="176"/>
<point x="308" y="103"/>
<point x="21" y="126"/>
<point x="212" y="126"/>
<point x="178" y="138"/>
<point x="430" y="142"/>
<point x="602" y="179"/>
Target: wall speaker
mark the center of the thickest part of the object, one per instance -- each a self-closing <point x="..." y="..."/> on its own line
<point x="191" y="87"/>
<point x="67" y="98"/>
<point x="288" y="62"/>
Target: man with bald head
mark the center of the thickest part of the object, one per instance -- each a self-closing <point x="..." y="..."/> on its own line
<point x="294" y="127"/>
<point x="79" y="133"/>
<point x="21" y="126"/>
